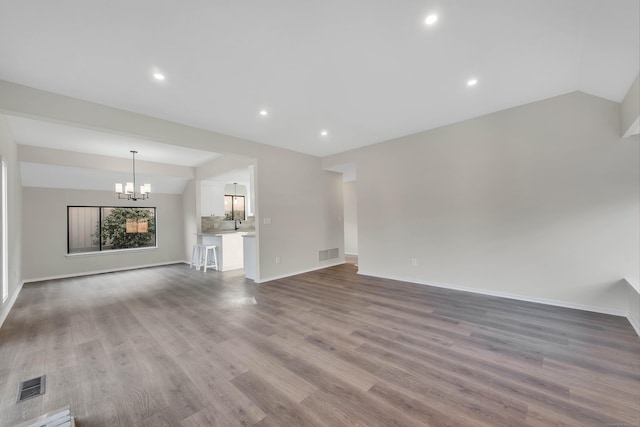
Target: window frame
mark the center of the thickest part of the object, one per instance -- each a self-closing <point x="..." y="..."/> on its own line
<point x="233" y="211"/>
<point x="100" y="250"/>
<point x="4" y="223"/>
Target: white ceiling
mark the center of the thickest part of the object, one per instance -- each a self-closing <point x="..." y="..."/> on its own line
<point x="49" y="135"/>
<point x="43" y="134"/>
<point x="77" y="178"/>
<point x="365" y="70"/>
<point x="240" y="176"/>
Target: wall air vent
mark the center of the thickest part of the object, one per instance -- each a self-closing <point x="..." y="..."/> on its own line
<point x="328" y="254"/>
<point x="30" y="388"/>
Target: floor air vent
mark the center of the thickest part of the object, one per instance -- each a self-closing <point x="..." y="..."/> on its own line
<point x="31" y="388"/>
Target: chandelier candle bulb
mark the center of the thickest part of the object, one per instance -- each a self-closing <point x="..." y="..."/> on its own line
<point x="130" y="187"/>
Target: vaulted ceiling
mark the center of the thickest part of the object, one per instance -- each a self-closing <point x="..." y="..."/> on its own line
<point x="281" y="72"/>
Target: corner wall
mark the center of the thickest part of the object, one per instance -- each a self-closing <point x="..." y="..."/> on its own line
<point x="190" y="218"/>
<point x="350" y="218"/>
<point x="302" y="206"/>
<point x="539" y="202"/>
<point x="634" y="306"/>
<point x="630" y="110"/>
<point x="9" y="152"/>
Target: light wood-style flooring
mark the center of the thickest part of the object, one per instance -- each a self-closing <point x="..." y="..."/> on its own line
<point x="171" y="346"/>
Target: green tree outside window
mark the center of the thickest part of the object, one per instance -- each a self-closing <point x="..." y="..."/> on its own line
<point x="124" y="228"/>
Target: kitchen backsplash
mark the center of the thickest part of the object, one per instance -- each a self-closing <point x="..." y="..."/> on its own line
<point x="215" y="224"/>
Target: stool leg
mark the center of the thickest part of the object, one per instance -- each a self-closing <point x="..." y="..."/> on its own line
<point x="194" y="254"/>
<point x="215" y="258"/>
<point x="206" y="255"/>
<point x="201" y="257"/>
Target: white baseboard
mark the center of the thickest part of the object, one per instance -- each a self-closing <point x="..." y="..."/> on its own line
<point x="320" y="267"/>
<point x="634" y="293"/>
<point x="232" y="267"/>
<point x="9" y="306"/>
<point x="635" y="324"/>
<point x="110" y="270"/>
<point x="517" y="297"/>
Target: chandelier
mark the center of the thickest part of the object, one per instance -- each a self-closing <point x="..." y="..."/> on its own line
<point x="129" y="192"/>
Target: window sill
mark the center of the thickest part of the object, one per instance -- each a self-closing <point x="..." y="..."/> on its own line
<point x="110" y="252"/>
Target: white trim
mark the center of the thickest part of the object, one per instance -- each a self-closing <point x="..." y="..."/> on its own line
<point x="506" y="295"/>
<point x="633" y="284"/>
<point x="634" y="128"/>
<point x="346" y="253"/>
<point x="9" y="305"/>
<point x="4" y="232"/>
<point x="635" y="324"/>
<point x="634" y="292"/>
<point x="320" y="267"/>
<point x="110" y="270"/>
<point x="110" y="252"/>
<point x="232" y="267"/>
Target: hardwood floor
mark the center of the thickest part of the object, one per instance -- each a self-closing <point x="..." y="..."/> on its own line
<point x="171" y="346"/>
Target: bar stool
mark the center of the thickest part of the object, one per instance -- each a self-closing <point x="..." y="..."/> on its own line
<point x="208" y="257"/>
<point x="196" y="257"/>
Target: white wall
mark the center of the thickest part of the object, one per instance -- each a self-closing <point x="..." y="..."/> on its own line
<point x="634" y="306"/>
<point x="190" y="218"/>
<point x="8" y="152"/>
<point x="630" y="109"/>
<point x="212" y="198"/>
<point x="292" y="190"/>
<point x="44" y="230"/>
<point x="304" y="206"/>
<point x="350" y="218"/>
<point x="539" y="201"/>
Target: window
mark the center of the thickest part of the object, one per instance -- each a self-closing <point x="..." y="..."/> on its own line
<point x="234" y="208"/>
<point x="4" y="228"/>
<point x="102" y="228"/>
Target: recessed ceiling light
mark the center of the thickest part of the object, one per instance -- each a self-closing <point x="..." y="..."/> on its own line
<point x="431" y="19"/>
<point x="264" y="112"/>
<point x="472" y="82"/>
<point x="324" y="132"/>
<point x="158" y="76"/>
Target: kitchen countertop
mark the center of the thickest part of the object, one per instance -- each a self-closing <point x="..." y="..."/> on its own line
<point x="224" y="233"/>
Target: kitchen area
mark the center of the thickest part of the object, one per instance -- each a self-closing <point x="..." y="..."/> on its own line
<point x="227" y="219"/>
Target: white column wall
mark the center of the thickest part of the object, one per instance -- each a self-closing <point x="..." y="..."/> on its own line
<point x="350" y="218"/>
<point x="9" y="153"/>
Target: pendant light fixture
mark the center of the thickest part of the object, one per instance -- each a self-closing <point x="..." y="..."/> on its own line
<point x="235" y="193"/>
<point x="129" y="191"/>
